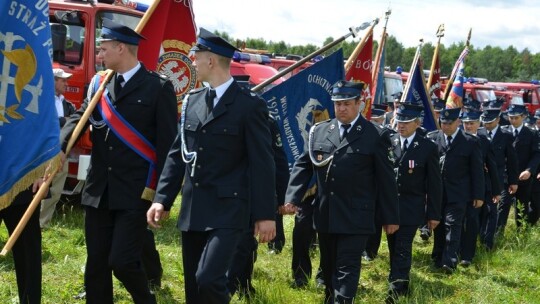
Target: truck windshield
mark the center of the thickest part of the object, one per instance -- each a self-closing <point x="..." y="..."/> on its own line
<point x="485" y="95"/>
<point x="68" y="41"/>
<point x="120" y="18"/>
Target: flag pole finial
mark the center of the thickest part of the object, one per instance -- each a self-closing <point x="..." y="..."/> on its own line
<point x="440" y="31"/>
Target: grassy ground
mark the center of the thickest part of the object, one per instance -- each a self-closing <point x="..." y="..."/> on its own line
<point x="511" y="274"/>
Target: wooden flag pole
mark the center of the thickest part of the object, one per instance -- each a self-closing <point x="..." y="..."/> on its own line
<point x="439" y="34"/>
<point x="40" y="195"/>
<point x="375" y="69"/>
<point x="352" y="31"/>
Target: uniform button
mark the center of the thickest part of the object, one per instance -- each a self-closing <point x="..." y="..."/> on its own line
<point x="337" y="152"/>
<point x="204" y="131"/>
<point x="332" y="179"/>
<point x="109" y="168"/>
<point x="225" y="130"/>
<point x="198" y="166"/>
<point x="399" y="185"/>
<point x="196" y="184"/>
<point x="189" y="126"/>
<point x="110" y="148"/>
<point x="331" y="193"/>
<point x="235" y="194"/>
<point x="334" y="165"/>
<point x="200" y="148"/>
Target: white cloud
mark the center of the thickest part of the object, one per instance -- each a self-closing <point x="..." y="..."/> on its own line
<point x="495" y="22"/>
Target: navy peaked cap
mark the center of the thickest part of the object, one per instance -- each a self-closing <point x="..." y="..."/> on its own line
<point x="470" y="115"/>
<point x="343" y="90"/>
<point x="113" y="31"/>
<point x="449" y="115"/>
<point x="490" y="115"/>
<point x="406" y="112"/>
<point x="516" y="109"/>
<point x="213" y="43"/>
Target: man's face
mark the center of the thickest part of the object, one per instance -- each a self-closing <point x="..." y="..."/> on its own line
<point x="60" y="85"/>
<point x="449" y="128"/>
<point x="201" y="63"/>
<point x="346" y="110"/>
<point x="491" y="125"/>
<point x="406" y="129"/>
<point x="471" y="126"/>
<point x="517" y="120"/>
<point x="110" y="52"/>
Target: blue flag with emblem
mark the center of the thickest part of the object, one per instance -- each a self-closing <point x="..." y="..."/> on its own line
<point x="29" y="127"/>
<point x="303" y="100"/>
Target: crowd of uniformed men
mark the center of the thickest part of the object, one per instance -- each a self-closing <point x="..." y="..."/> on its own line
<point x="226" y="158"/>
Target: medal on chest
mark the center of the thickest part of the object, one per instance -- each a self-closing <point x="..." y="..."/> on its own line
<point x="411" y="166"/>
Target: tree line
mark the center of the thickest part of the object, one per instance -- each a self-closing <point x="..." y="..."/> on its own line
<point x="491" y="62"/>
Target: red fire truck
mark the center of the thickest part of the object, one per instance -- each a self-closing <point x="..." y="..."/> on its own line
<point x="529" y="92"/>
<point x="74" y="28"/>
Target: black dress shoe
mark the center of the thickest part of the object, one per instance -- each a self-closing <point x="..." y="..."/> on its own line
<point x="80" y="296"/>
<point x="465" y="263"/>
<point x="424" y="235"/>
<point x="447" y="269"/>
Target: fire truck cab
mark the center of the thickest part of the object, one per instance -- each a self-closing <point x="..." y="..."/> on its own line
<point x="529" y="92"/>
<point x="75" y="24"/>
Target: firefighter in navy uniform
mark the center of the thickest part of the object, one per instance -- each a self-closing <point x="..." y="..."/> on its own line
<point x="527" y="146"/>
<point x="462" y="170"/>
<point x="506" y="160"/>
<point x="471" y="225"/>
<point x="124" y="165"/>
<point x="224" y="141"/>
<point x="418" y="177"/>
<point x="352" y="163"/>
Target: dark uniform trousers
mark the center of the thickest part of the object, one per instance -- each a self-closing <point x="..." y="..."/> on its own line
<point x="534" y="208"/>
<point x="241" y="269"/>
<point x="527" y="148"/>
<point x="418" y="176"/>
<point x="302" y="240"/>
<point x="471" y="225"/>
<point x="344" y="214"/>
<point x="115" y="213"/>
<point x="27" y="249"/>
<point x="506" y="160"/>
<point x="463" y="180"/>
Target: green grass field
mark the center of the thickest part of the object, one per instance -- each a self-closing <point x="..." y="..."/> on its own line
<point x="510" y="274"/>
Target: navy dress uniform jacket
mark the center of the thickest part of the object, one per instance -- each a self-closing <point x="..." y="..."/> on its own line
<point x="462" y="167"/>
<point x="505" y="156"/>
<point x="348" y="188"/>
<point x="235" y="171"/>
<point x="491" y="175"/>
<point x="418" y="177"/>
<point x="527" y="146"/>
<point x="148" y="103"/>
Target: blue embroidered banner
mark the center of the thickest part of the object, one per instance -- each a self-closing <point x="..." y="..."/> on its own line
<point x="29" y="128"/>
<point x="302" y="101"/>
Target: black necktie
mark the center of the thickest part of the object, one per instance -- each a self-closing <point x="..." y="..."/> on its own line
<point x="449" y="138"/>
<point x="210" y="99"/>
<point x="490" y="135"/>
<point x="345" y="130"/>
<point x="516" y="133"/>
<point x="405" y="145"/>
<point x="118" y="84"/>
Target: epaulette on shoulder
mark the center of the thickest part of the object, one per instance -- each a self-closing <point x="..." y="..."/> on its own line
<point x="432" y="133"/>
<point x="161" y="76"/>
<point x="196" y="90"/>
<point x="321" y="122"/>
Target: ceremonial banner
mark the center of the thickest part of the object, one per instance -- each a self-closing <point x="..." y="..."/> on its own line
<point x="416" y="92"/>
<point x="455" y="98"/>
<point x="29" y="128"/>
<point x="170" y="33"/>
<point x="378" y="85"/>
<point x="435" y="85"/>
<point x="360" y="71"/>
<point x="303" y="100"/>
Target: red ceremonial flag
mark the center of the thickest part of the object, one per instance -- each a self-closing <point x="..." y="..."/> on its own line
<point x="361" y="71"/>
<point x="435" y="85"/>
<point x="170" y="33"/>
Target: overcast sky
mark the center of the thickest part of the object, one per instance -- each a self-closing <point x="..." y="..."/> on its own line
<point x="493" y="22"/>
